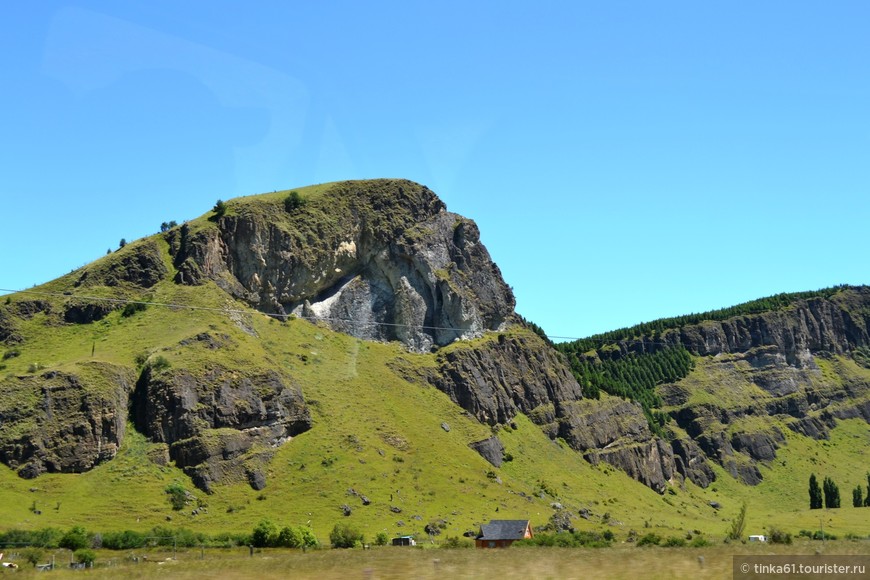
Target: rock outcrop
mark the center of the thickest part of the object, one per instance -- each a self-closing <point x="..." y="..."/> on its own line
<point x="64" y="422"/>
<point x="379" y="259"/>
<point x="518" y="373"/>
<point x="220" y="425"/>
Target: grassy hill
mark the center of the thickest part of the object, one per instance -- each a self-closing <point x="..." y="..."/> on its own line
<point x="374" y="432"/>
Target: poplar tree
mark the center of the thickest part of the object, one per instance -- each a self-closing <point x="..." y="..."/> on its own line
<point x="815" y="493"/>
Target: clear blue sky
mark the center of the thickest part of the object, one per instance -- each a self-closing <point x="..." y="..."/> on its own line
<point x="624" y="160"/>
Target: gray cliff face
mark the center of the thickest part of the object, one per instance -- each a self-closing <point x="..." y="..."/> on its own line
<point x="221" y="425"/>
<point x="389" y="263"/>
<point x="76" y="422"/>
<point x="767" y="365"/>
<point x="834" y="325"/>
<point x="519" y="373"/>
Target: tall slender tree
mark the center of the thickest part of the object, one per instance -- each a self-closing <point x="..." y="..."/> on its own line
<point x="857" y="497"/>
<point x="832" y="493"/>
<point x="815" y="493"/>
<point x="867" y="497"/>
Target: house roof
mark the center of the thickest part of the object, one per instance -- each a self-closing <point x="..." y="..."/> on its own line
<point x="503" y="530"/>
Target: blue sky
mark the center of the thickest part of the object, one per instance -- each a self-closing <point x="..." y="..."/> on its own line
<point x="624" y="160"/>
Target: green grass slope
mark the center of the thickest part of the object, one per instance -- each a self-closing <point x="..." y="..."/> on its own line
<point x="374" y="433"/>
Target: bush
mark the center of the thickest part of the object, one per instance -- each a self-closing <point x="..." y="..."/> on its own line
<point x="289" y="538"/>
<point x="699" y="542"/>
<point x="650" y="539"/>
<point x="309" y="540"/>
<point x="293" y="202"/>
<point x="159" y="363"/>
<point x="132" y="308"/>
<point x="126" y="540"/>
<point x="777" y="536"/>
<point x="382" y="539"/>
<point x="674" y="542"/>
<point x="220" y="208"/>
<point x="85" y="556"/>
<point x="32" y="555"/>
<point x="264" y="534"/>
<point x="177" y="495"/>
<point x="456" y="542"/>
<point x="75" y="539"/>
<point x="345" y="536"/>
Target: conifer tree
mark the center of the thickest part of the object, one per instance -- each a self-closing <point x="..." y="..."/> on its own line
<point x="857" y="499"/>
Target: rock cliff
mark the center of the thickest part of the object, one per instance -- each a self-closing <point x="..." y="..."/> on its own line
<point x="219" y="424"/>
<point x="64" y="422"/>
<point x="379" y="260"/>
<point x="772" y="366"/>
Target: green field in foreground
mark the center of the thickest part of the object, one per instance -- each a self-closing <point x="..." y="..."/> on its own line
<point x="622" y="561"/>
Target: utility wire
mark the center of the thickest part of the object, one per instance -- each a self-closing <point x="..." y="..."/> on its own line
<point x="225" y="310"/>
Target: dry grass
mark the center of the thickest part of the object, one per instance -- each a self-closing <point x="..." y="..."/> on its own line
<point x="623" y="561"/>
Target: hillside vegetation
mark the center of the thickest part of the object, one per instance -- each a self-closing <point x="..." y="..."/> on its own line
<point x="196" y="366"/>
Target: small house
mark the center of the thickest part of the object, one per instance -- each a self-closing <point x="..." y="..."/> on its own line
<point x="503" y="533"/>
<point x="404" y="541"/>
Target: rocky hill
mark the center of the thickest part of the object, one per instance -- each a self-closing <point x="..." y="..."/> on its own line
<point x="209" y="339"/>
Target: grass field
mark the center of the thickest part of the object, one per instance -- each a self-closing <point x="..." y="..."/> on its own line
<point x="622" y="561"/>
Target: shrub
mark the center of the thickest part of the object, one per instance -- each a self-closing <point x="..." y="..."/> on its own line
<point x="177" y="495"/>
<point x="159" y="363"/>
<point x="649" y="539"/>
<point x="32" y="555"/>
<point x="75" y="539"/>
<point x="777" y="536"/>
<point x="293" y="202"/>
<point x="455" y="542"/>
<point x="309" y="540"/>
<point x="126" y="540"/>
<point x="382" y="539"/>
<point x="345" y="536"/>
<point x="220" y="208"/>
<point x="674" y="542"/>
<point x="699" y="542"/>
<point x="264" y="534"/>
<point x="289" y="538"/>
<point x="85" y="556"/>
<point x="132" y="308"/>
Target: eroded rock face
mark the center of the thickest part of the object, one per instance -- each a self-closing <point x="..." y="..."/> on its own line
<point x="515" y="373"/>
<point x="388" y="264"/>
<point x="220" y="425"/>
<point x="767" y="365"/>
<point x="77" y="422"/>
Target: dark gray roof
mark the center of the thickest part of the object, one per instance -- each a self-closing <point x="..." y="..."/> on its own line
<point x="503" y="530"/>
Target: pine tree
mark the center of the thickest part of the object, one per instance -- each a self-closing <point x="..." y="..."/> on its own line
<point x="867" y="497"/>
<point x="857" y="497"/>
<point x="815" y="493"/>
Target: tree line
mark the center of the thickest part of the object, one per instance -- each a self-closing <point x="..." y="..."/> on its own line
<point x="633" y="376"/>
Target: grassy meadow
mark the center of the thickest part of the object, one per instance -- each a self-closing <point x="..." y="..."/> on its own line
<point x="622" y="561"/>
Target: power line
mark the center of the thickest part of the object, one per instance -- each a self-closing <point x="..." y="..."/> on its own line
<point x="225" y="310"/>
